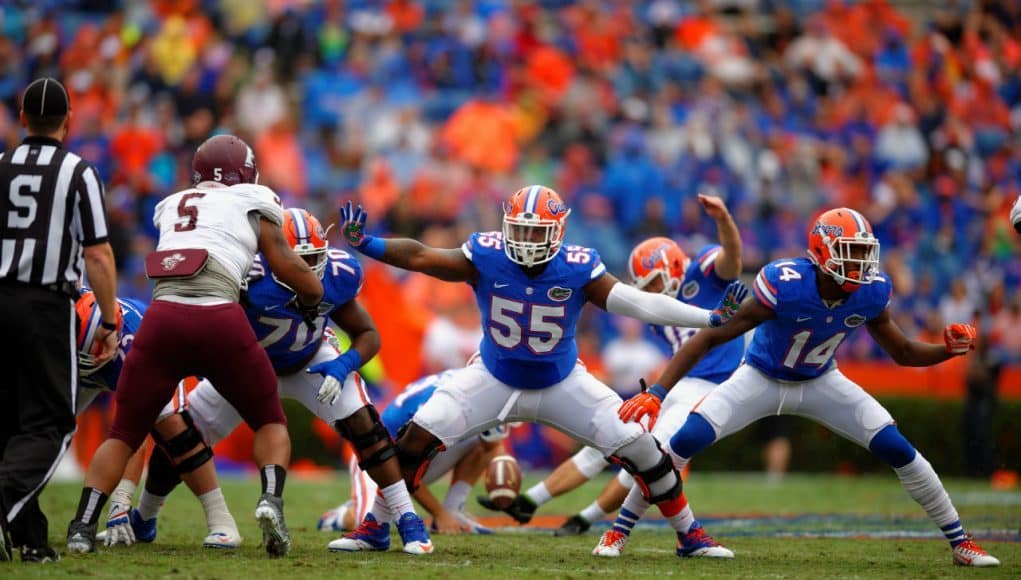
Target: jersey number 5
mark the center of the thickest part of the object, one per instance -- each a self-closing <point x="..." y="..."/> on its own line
<point x="188" y="211"/>
<point x="541" y="321"/>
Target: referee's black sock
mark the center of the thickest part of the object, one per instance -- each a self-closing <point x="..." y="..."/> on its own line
<point x="90" y="504"/>
<point x="273" y="477"/>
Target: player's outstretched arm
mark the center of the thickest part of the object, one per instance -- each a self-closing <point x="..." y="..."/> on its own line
<point x="354" y="320"/>
<point x="728" y="261"/>
<point x="291" y="269"/>
<point x="751" y="314"/>
<point x="609" y="294"/>
<point x="958" y="339"/>
<point x="450" y="265"/>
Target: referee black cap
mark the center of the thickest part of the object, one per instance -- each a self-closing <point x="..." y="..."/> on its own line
<point x="45" y="97"/>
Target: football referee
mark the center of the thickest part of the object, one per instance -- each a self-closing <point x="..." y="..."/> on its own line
<point x="51" y="216"/>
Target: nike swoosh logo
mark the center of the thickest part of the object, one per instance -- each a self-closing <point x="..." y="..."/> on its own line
<point x="271" y="307"/>
<point x="499" y="285"/>
<point x="804" y="318"/>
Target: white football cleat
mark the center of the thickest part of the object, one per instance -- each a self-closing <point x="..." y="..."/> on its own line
<point x="333" y="520"/>
<point x="968" y="553"/>
<point x="611" y="544"/>
<point x="223" y="539"/>
<point x="269" y="513"/>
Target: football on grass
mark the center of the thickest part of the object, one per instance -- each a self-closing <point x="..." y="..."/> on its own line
<point x="503" y="480"/>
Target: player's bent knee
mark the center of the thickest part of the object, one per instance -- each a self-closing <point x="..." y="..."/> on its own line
<point x="369" y="437"/>
<point x="183" y="444"/>
<point x="892" y="447"/>
<point x="695" y="435"/>
<point x="652" y="469"/>
<point x="415" y="449"/>
<point x="589" y="461"/>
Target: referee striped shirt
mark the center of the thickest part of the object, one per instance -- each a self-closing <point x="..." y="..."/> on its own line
<point x="51" y="206"/>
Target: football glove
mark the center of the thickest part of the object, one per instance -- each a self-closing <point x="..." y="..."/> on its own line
<point x="959" y="338"/>
<point x="336" y="372"/>
<point x="352" y="225"/>
<point x="308" y="313"/>
<point x="732" y="298"/>
<point x="118" y="525"/>
<point x="643" y="404"/>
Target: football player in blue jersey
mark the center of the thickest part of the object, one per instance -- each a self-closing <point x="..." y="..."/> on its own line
<point x="465" y="461"/>
<point x="803" y="310"/>
<point x="311" y="369"/>
<point x="530" y="288"/>
<point x="660" y="266"/>
<point x="180" y="448"/>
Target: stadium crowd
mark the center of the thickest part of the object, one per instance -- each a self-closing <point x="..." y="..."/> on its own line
<point x="431" y="113"/>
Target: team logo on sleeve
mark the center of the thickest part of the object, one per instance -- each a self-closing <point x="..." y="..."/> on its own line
<point x="689" y="290"/>
<point x="854" y="320"/>
<point x="558" y="294"/>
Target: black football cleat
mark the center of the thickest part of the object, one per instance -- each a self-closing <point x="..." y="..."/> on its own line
<point x="574" y="526"/>
<point x="521" y="509"/>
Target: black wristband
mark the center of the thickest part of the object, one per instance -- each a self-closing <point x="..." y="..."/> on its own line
<point x="111" y="326"/>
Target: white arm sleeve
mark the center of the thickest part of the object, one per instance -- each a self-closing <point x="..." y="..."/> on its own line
<point x="654" y="308"/>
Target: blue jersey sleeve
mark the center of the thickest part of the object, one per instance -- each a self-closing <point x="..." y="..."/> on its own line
<point x="765" y="286"/>
<point x="705" y="260"/>
<point x="584" y="262"/>
<point x="343" y="279"/>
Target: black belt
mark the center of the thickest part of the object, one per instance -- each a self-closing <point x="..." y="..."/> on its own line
<point x="68" y="289"/>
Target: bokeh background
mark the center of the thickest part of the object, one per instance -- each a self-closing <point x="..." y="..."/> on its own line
<point x="431" y="113"/>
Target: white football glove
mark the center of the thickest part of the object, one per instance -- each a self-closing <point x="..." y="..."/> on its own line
<point x="329" y="391"/>
<point x="1015" y="215"/>
<point x="118" y="525"/>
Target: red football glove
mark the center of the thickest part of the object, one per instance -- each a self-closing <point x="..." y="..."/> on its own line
<point x="644" y="404"/>
<point x="960" y="338"/>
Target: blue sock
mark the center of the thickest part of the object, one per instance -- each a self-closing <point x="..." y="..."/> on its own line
<point x="954" y="533"/>
<point x="625" y="521"/>
<point x="695" y="435"/>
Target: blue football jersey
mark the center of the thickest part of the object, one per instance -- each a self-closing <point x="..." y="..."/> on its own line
<point x="528" y="324"/>
<point x="406" y="404"/>
<point x="107" y="376"/>
<point x="702" y="287"/>
<point x="799" y="343"/>
<point x="288" y="340"/>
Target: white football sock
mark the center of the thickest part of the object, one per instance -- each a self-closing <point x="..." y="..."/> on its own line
<point x="457" y="496"/>
<point x="593" y="513"/>
<point x="149" y="505"/>
<point x="681" y="522"/>
<point x="398" y="499"/>
<point x="218" y="516"/>
<point x="539" y="493"/>
<point x="923" y="485"/>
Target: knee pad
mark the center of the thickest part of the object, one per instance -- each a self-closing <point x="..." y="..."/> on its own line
<point x="645" y="452"/>
<point x="695" y="435"/>
<point x="416" y="462"/>
<point x="182" y="443"/>
<point x="589" y="461"/>
<point x="364" y="431"/>
<point x="162" y="477"/>
<point x="892" y="447"/>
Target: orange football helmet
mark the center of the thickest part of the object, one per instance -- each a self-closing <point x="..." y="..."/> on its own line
<point x="842" y="245"/>
<point x="89" y="317"/>
<point x="534" y="220"/>
<point x="658" y="258"/>
<point x="307" y="238"/>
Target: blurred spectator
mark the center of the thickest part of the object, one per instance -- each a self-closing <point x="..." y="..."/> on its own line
<point x="629" y="357"/>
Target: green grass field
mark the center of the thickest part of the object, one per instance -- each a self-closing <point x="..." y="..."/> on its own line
<point x="804" y="527"/>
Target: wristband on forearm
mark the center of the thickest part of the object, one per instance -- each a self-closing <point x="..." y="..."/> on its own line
<point x="373" y="247"/>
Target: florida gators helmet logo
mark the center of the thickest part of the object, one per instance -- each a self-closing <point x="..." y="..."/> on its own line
<point x="534" y="220"/>
<point x="658" y="259"/>
<point x="307" y="238"/>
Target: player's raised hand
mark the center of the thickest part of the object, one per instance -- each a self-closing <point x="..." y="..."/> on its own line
<point x="352" y="224"/>
<point x="643" y="404"/>
<point x="118" y="525"/>
<point x="735" y="294"/>
<point x="959" y="338"/>
<point x="713" y="206"/>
